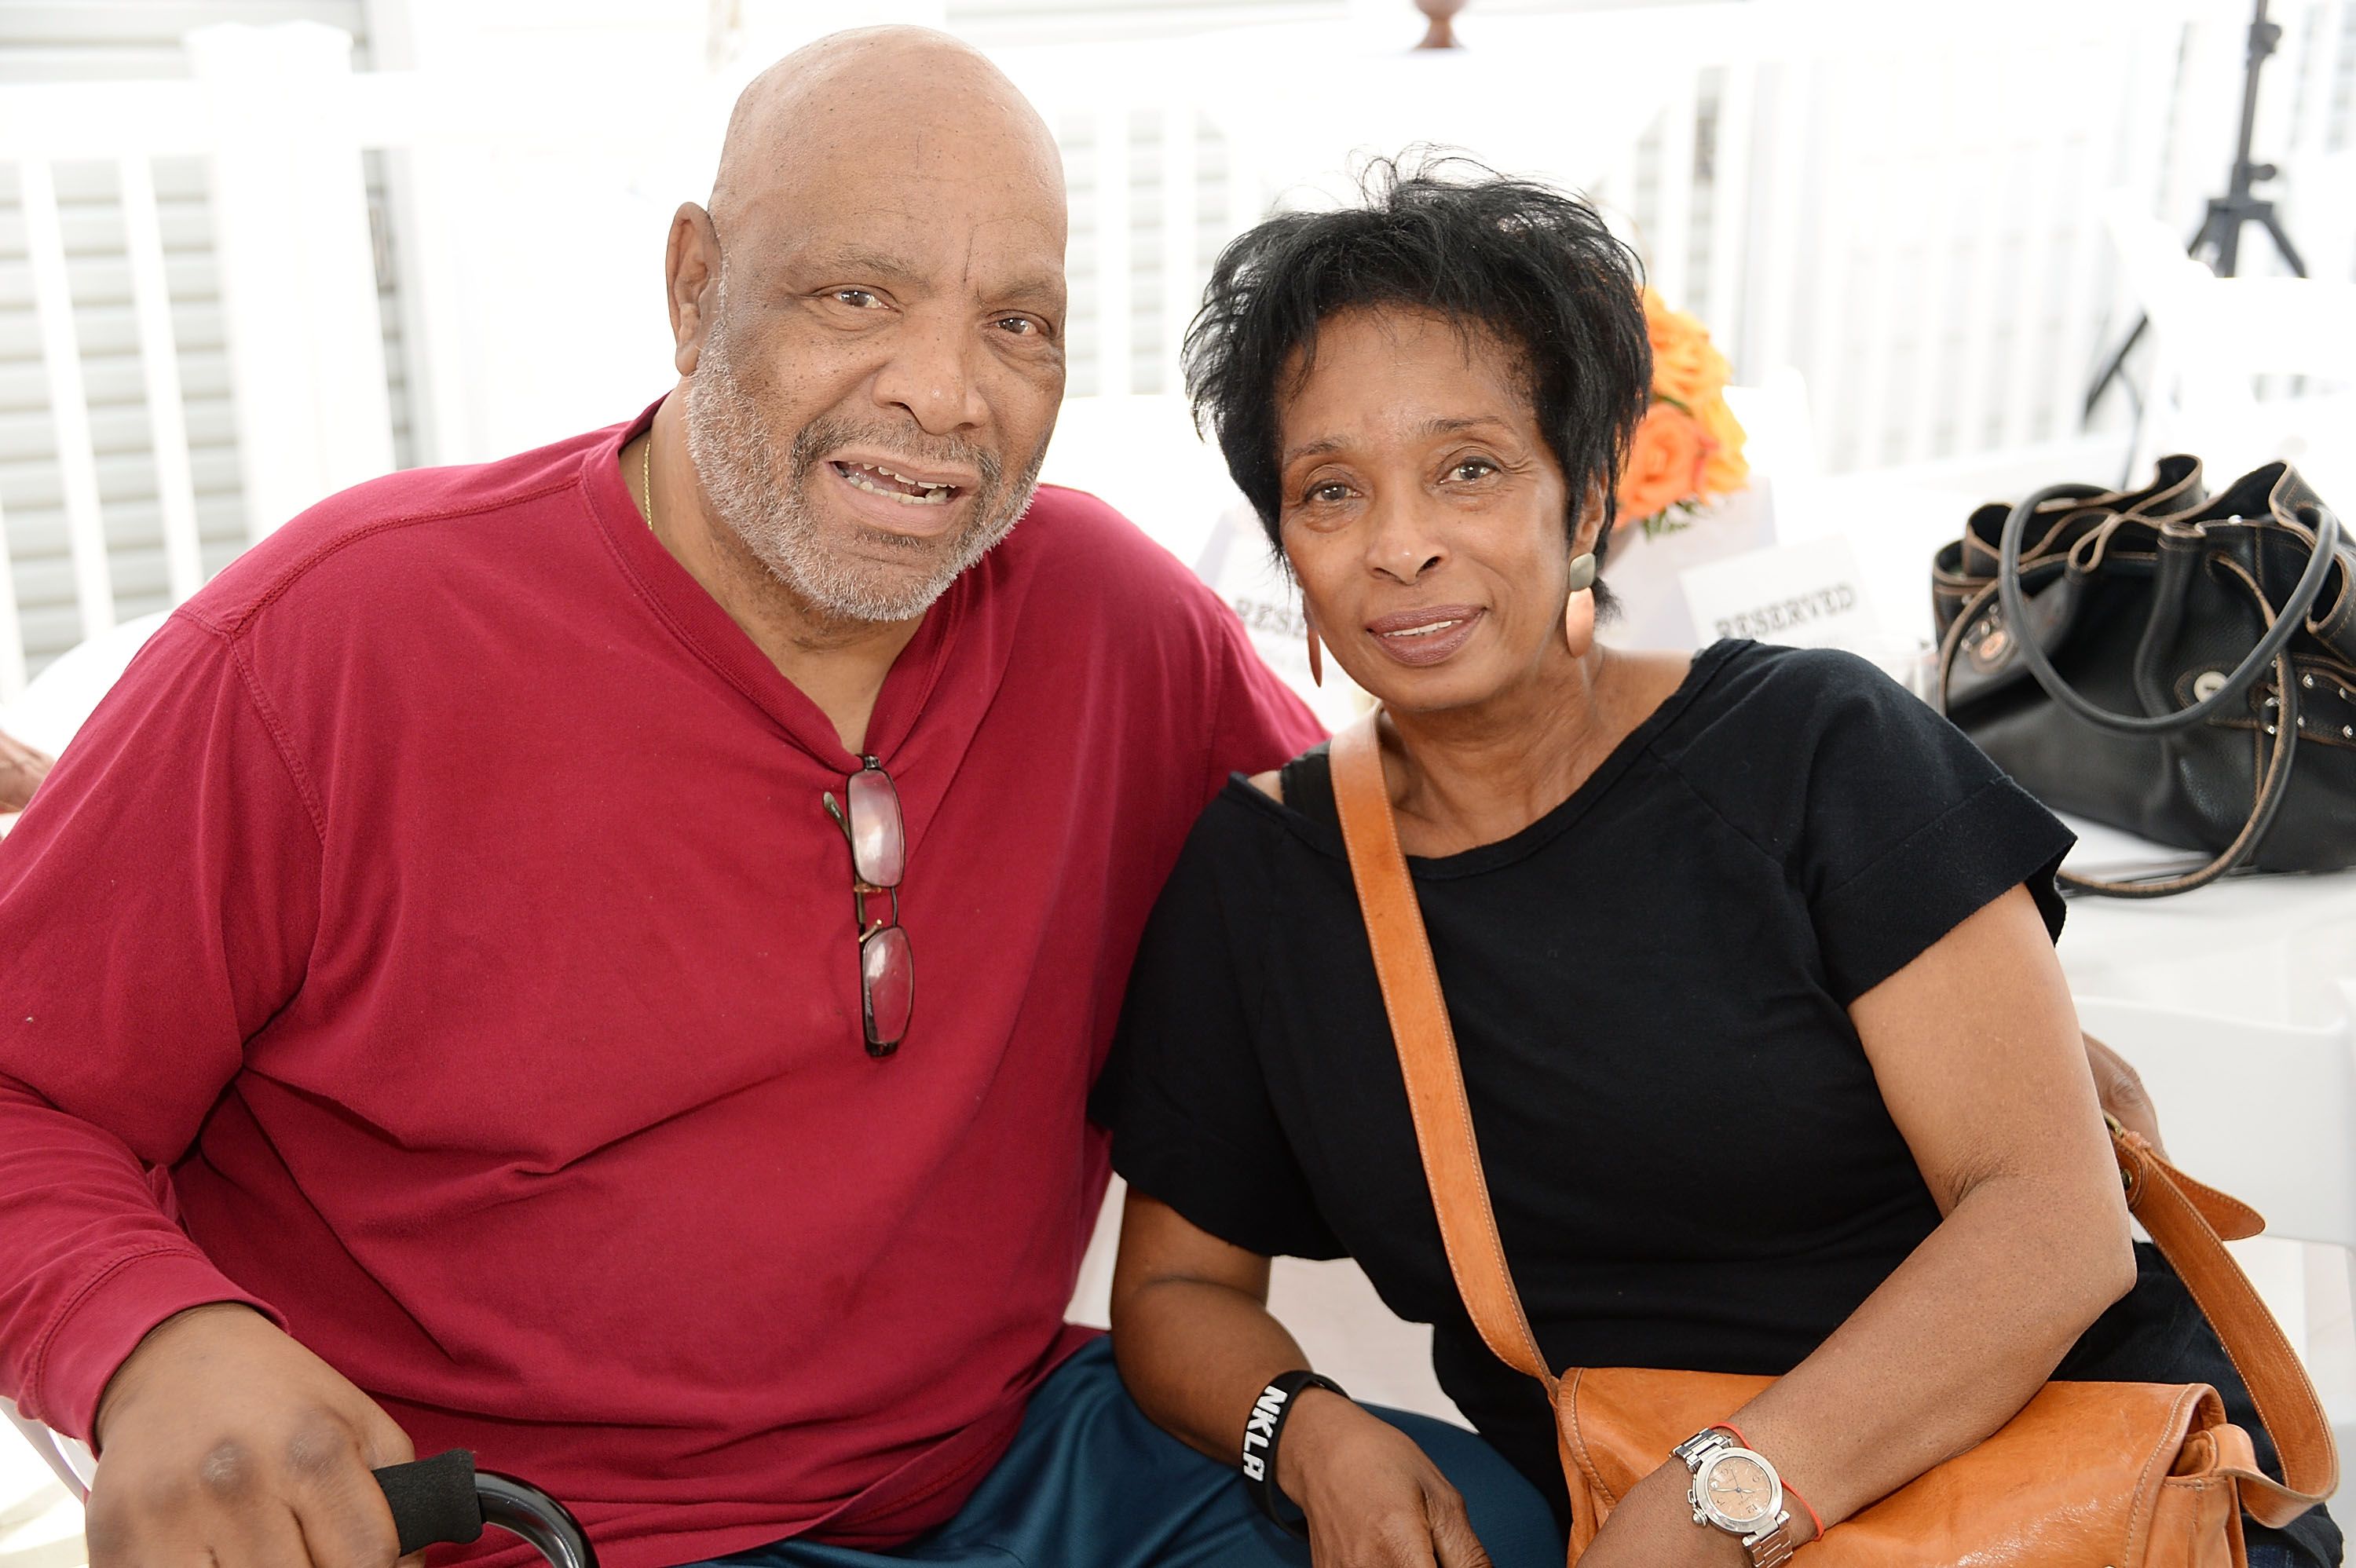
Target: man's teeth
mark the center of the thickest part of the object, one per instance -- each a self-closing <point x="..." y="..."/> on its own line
<point x="931" y="493"/>
<point x="896" y="473"/>
<point x="929" y="498"/>
<point x="1424" y="631"/>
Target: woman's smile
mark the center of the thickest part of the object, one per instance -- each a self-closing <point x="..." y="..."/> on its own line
<point x="1426" y="636"/>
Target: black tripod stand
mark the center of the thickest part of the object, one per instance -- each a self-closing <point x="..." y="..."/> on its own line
<point x="2220" y="229"/>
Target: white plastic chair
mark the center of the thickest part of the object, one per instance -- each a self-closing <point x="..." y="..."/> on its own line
<point x="2214" y="337"/>
<point x="61" y="697"/>
<point x="71" y="1461"/>
<point x="54" y="706"/>
<point x="2268" y="1113"/>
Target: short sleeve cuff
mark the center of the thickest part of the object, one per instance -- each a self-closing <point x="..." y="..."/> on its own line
<point x="1221" y="1200"/>
<point x="96" y="1334"/>
<point x="1888" y="914"/>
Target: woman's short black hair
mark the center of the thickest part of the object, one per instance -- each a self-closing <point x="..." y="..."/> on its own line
<point x="1533" y="265"/>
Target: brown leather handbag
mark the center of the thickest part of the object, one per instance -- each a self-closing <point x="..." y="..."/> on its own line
<point x="2117" y="1475"/>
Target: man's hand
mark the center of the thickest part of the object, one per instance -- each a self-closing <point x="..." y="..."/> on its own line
<point x="21" y="768"/>
<point x="222" y="1440"/>
<point x="1373" y="1499"/>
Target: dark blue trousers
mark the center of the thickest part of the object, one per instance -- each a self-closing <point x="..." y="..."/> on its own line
<point x="1090" y="1482"/>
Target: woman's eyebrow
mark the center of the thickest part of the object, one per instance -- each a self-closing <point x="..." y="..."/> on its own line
<point x="1449" y="426"/>
<point x="1440" y="424"/>
<point x="1317" y="448"/>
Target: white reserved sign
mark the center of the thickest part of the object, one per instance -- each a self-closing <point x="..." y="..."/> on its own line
<point x="1807" y="595"/>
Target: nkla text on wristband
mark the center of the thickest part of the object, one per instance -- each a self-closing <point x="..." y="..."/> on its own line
<point x="1262" y="1430"/>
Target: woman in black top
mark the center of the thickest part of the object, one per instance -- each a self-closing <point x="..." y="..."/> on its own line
<point x="1748" y="954"/>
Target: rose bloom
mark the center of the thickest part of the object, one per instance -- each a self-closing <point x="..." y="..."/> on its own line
<point x="1725" y="471"/>
<point x="1666" y="462"/>
<point x="1687" y="367"/>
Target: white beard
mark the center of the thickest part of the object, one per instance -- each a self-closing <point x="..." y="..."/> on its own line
<point x="768" y="505"/>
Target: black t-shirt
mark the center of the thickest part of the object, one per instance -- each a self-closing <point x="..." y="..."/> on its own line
<point x="1690" y="1160"/>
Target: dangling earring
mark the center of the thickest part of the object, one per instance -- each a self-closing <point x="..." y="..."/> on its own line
<point x="1316" y="659"/>
<point x="1579" y="614"/>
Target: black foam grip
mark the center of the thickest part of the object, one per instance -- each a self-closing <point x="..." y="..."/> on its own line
<point x="433" y="1500"/>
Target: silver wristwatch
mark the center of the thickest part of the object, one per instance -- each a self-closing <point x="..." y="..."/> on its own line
<point x="1738" y="1492"/>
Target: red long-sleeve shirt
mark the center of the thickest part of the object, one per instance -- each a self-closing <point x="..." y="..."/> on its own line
<point x="445" y="901"/>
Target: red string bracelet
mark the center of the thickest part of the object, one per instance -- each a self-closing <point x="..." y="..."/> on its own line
<point x="1729" y="1426"/>
<point x="1814" y="1518"/>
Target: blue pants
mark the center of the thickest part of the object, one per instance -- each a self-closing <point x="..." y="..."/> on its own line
<point x="1090" y="1482"/>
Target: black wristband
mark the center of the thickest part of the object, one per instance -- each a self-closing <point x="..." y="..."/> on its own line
<point x="1268" y="1414"/>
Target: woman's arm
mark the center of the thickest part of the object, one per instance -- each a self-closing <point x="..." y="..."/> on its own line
<point x="1977" y="1048"/>
<point x="1196" y="1344"/>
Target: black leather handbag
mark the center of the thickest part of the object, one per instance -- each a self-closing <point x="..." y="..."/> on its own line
<point x="2179" y="666"/>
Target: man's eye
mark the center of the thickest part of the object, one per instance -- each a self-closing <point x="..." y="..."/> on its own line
<point x="1020" y="325"/>
<point x="859" y="299"/>
<point x="1332" y="491"/>
<point x="1474" y="468"/>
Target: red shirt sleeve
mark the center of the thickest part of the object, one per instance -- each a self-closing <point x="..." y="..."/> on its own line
<point x="1260" y="725"/>
<point x="156" y="904"/>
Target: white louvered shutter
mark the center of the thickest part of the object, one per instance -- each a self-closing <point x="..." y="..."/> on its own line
<point x="130" y="39"/>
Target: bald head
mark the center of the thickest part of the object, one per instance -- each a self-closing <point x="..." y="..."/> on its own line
<point x="904" y="102"/>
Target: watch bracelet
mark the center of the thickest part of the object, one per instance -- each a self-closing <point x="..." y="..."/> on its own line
<point x="1769" y="1548"/>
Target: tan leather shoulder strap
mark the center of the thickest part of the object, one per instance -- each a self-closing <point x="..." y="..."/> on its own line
<point x="2171" y="1206"/>
<point x="1427" y="1052"/>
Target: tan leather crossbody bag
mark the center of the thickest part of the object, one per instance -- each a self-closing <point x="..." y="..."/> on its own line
<point x="2118" y="1474"/>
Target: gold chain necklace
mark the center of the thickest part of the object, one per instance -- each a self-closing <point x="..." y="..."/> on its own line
<point x="647" y="477"/>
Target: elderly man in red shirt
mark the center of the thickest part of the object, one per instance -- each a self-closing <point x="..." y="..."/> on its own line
<point x="598" y="958"/>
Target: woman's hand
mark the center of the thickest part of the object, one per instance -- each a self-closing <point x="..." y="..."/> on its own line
<point x="1654" y="1527"/>
<point x="1374" y="1499"/>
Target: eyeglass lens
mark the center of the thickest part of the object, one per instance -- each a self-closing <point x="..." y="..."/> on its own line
<point x="879" y="858"/>
<point x="879" y="852"/>
<point x="887" y="986"/>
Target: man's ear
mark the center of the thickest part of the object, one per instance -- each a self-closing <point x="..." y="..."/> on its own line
<point x="691" y="283"/>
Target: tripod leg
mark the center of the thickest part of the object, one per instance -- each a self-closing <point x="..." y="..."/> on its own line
<point x="2111" y="370"/>
<point x="2272" y="226"/>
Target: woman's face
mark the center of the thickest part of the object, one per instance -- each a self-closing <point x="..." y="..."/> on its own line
<point x="1422" y="509"/>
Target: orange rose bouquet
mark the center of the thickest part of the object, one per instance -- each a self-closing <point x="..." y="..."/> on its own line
<point x="1688" y="450"/>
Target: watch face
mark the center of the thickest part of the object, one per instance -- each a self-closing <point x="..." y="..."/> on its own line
<point x="1737" y="1489"/>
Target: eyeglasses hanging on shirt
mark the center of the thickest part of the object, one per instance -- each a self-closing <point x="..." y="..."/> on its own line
<point x="878" y="856"/>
